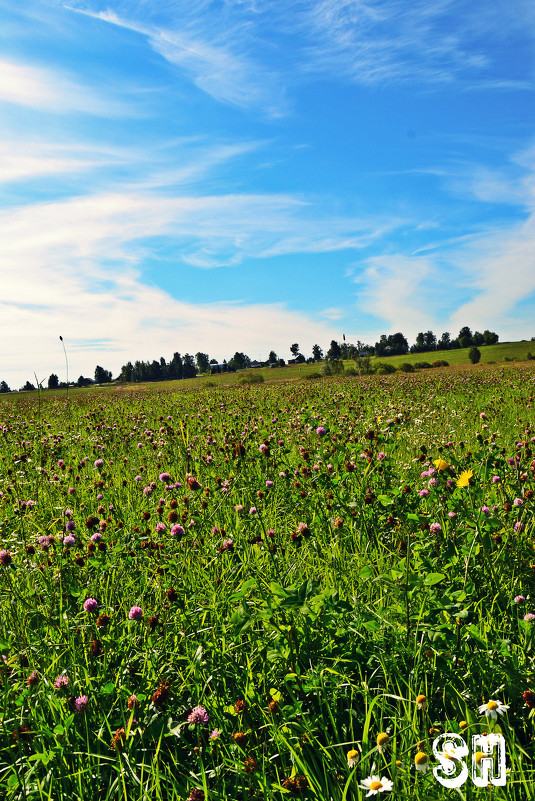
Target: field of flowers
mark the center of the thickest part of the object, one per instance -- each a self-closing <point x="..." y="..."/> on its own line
<point x="266" y="592"/>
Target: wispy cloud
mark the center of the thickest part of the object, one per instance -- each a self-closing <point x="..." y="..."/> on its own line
<point x="214" y="50"/>
<point x="51" y="91"/>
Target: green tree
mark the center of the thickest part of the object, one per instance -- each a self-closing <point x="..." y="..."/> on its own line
<point x="334" y="352"/>
<point x="53" y="381"/>
<point x="189" y="371"/>
<point x="465" y="337"/>
<point x="294" y="350"/>
<point x="317" y="353"/>
<point x="102" y="376"/>
<point x="4" y="387"/>
<point x="444" y="343"/>
<point x="272" y="358"/>
<point x="203" y="362"/>
<point x="474" y="354"/>
<point x="490" y="337"/>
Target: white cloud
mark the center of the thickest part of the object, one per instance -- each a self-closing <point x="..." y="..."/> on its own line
<point x="397" y="289"/>
<point x="49" y="90"/>
<point x="73" y="268"/>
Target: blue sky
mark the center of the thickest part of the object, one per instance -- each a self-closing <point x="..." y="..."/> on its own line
<point x="244" y="174"/>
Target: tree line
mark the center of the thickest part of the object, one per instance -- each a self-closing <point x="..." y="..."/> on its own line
<point x="188" y="366"/>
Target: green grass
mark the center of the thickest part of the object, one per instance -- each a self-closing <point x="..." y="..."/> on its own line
<point x="501" y="352"/>
<point x="349" y="592"/>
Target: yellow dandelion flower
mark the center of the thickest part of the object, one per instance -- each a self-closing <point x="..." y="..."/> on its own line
<point x="464" y="478"/>
<point x="440" y="464"/>
<point x="421" y="701"/>
<point x="463" y="724"/>
<point x="352" y="758"/>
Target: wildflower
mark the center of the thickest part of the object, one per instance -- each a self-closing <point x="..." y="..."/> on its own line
<point x="133" y="702"/>
<point x="269" y="484"/>
<point x="496" y="479"/>
<point x="440" y="464"/>
<point x="464" y="478"/>
<point x="250" y="765"/>
<point x="424" y="493"/>
<point x="135" y="613"/>
<point x="382" y="741"/>
<point x="485" y="510"/>
<point x="375" y="784"/>
<point x="198" y="715"/>
<point x="240" y="706"/>
<point x="165" y="477"/>
<point x="119" y="738"/>
<point x="463" y="724"/>
<point x="519" y="599"/>
<point x="214" y="734"/>
<point x="320" y="431"/>
<point x="493" y="708"/>
<point x="177" y="531"/>
<point x="239" y="738"/>
<point x="528" y="697"/>
<point x="69" y="540"/>
<point x="519" y="527"/>
<point x="61" y="681"/>
<point x="451" y="515"/>
<point x="160" y="527"/>
<point x="99" y="463"/>
<point x="90" y="605"/>
<point x="435" y="528"/>
<point x="5" y="558"/>
<point x="103" y="621"/>
<point x="96" y="537"/>
<point x="529" y="616"/>
<point x="80" y="704"/>
<point x="33" y="679"/>
<point x="421" y="762"/>
<point x="196" y="795"/>
<point x="71" y="525"/>
<point x="253" y="510"/>
<point x="159" y="697"/>
<point x="352" y="758"/>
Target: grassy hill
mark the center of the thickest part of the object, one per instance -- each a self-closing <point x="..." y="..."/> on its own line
<point x="504" y="351"/>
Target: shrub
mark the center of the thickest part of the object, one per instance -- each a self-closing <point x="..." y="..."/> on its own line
<point x="529" y="357"/>
<point x="406" y="367"/>
<point x="251" y="378"/>
<point x="474" y="354"/>
<point x="383" y="368"/>
<point x="351" y="371"/>
<point x="326" y="369"/>
<point x="440" y="363"/>
<point x="311" y="376"/>
<point x="337" y="366"/>
<point x="422" y="365"/>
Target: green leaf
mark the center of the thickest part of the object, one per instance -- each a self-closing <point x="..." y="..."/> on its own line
<point x="433" y="578"/>
<point x="366" y="572"/>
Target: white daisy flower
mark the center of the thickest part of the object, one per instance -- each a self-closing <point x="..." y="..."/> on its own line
<point x="421" y="762"/>
<point x="492" y="709"/>
<point x="376" y="785"/>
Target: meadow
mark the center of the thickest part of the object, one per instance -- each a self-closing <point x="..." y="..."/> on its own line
<point x="283" y="590"/>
